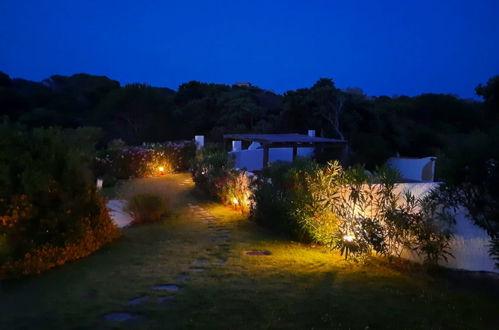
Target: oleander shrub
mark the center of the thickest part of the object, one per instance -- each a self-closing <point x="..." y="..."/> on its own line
<point x="352" y="210"/>
<point x="146" y="208"/>
<point x="48" y="199"/>
<point x="275" y="198"/>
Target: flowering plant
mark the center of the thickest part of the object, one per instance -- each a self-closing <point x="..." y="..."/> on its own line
<point x="147" y="160"/>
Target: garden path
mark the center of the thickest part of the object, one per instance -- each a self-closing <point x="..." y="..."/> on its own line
<point x="117" y="213"/>
<point x="216" y="255"/>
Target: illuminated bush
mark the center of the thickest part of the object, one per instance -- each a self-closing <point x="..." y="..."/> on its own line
<point x="214" y="175"/>
<point x="351" y="210"/>
<point x="48" y="199"/>
<point x="148" y="160"/>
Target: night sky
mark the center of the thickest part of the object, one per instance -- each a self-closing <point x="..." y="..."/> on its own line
<point x="383" y="47"/>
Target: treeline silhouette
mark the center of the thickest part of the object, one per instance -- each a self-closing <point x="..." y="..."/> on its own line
<point x="376" y="127"/>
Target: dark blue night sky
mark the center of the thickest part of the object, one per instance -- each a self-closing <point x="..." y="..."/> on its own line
<point x="384" y="47"/>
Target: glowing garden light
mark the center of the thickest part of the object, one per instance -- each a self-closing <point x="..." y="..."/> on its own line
<point x="161" y="169"/>
<point x="235" y="201"/>
<point x="348" y="238"/>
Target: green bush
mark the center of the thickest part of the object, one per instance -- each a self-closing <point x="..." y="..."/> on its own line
<point x="281" y="199"/>
<point x="48" y="196"/>
<point x="146" y="208"/>
<point x="209" y="169"/>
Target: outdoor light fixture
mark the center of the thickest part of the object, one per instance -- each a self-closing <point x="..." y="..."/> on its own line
<point x="161" y="169"/>
<point x="348" y="238"/>
<point x="235" y="201"/>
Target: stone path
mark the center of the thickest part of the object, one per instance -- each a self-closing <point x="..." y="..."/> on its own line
<point x="115" y="208"/>
<point x="218" y="255"/>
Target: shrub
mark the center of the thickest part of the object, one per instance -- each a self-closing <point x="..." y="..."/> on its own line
<point x="351" y="210"/>
<point x="422" y="225"/>
<point x="98" y="231"/>
<point x="470" y="169"/>
<point x="214" y="175"/>
<point x="281" y="200"/>
<point x="146" y="208"/>
<point x="148" y="160"/>
<point x="48" y="198"/>
<point x="271" y="208"/>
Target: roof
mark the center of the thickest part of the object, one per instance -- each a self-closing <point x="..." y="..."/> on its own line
<point x="281" y="138"/>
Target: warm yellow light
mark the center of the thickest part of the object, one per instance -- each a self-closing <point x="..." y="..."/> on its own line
<point x="235" y="201"/>
<point x="161" y="169"/>
<point x="348" y="238"/>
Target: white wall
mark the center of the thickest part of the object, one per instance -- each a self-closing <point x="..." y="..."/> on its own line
<point x="412" y="168"/>
<point x="470" y="243"/>
<point x="253" y="159"/>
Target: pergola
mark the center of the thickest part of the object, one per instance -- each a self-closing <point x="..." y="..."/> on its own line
<point x="291" y="140"/>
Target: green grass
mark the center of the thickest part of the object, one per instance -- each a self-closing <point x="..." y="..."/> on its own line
<point x="298" y="286"/>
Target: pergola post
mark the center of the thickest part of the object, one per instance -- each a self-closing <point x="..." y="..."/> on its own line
<point x="295" y="152"/>
<point x="265" y="155"/>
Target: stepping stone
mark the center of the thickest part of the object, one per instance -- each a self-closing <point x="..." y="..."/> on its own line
<point x="164" y="299"/>
<point x="166" y="287"/>
<point x="258" y="253"/>
<point x="138" y="301"/>
<point x="181" y="278"/>
<point x="120" y="317"/>
<point x="222" y="240"/>
<point x="200" y="262"/>
<point x="198" y="269"/>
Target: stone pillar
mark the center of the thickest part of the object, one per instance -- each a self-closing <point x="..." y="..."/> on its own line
<point x="236" y="145"/>
<point x="199" y="140"/>
<point x="265" y="156"/>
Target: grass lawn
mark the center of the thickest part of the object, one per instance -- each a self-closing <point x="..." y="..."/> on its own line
<point x="297" y="286"/>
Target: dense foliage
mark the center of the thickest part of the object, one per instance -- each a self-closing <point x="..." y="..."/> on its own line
<point x="214" y="175"/>
<point x="413" y="126"/>
<point x="50" y="211"/>
<point x="353" y="211"/>
<point x="119" y="161"/>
